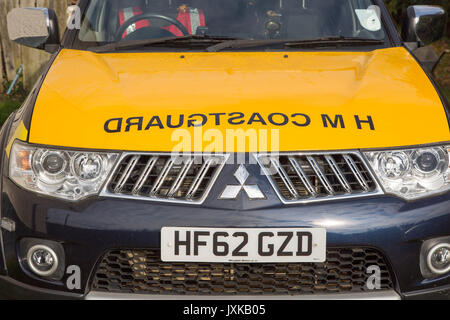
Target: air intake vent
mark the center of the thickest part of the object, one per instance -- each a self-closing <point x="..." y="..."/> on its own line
<point x="141" y="271"/>
<point x="165" y="177"/>
<point x="307" y="177"/>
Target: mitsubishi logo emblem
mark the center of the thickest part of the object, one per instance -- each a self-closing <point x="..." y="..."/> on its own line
<point x="232" y="191"/>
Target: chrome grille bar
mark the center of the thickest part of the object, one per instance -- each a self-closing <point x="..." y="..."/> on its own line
<point x="301" y="174"/>
<point x="356" y="172"/>
<point x="128" y="170"/>
<point x="199" y="178"/>
<point x="162" y="177"/>
<point x="337" y="171"/>
<point x="144" y="175"/>
<point x="284" y="177"/>
<point x="180" y="178"/>
<point x="322" y="177"/>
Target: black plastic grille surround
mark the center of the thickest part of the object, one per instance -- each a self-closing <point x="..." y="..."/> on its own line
<point x="142" y="272"/>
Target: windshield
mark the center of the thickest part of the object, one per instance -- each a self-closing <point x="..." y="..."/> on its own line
<point x="113" y="21"/>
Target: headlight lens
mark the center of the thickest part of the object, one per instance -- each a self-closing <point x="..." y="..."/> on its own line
<point x="412" y="173"/>
<point x="66" y="174"/>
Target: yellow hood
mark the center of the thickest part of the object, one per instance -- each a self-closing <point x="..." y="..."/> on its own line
<point x="311" y="100"/>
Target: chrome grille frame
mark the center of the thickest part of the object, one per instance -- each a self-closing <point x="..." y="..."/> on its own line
<point x="154" y="156"/>
<point x="304" y="179"/>
<point x="327" y="155"/>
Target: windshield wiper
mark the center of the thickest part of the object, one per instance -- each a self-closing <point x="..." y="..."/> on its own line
<point x="344" y="41"/>
<point x="317" y="42"/>
<point x="184" y="41"/>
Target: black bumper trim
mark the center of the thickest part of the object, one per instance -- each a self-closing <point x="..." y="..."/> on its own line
<point x="15" y="290"/>
<point x="440" y="293"/>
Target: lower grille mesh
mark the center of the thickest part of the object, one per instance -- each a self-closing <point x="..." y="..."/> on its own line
<point x="141" y="271"/>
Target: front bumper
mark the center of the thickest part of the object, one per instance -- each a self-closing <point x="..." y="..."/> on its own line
<point x="11" y="289"/>
<point x="90" y="228"/>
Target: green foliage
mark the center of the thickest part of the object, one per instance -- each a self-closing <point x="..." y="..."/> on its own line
<point x="18" y="92"/>
<point x="6" y="108"/>
<point x="447" y="93"/>
<point x="9" y="104"/>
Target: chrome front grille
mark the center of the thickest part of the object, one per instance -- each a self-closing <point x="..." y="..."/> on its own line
<point x="296" y="177"/>
<point x="301" y="177"/>
<point x="165" y="177"/>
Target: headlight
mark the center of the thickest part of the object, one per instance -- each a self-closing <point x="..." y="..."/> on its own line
<point x="65" y="174"/>
<point x="412" y="173"/>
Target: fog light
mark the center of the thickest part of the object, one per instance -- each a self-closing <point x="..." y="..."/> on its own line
<point x="438" y="259"/>
<point x="42" y="260"/>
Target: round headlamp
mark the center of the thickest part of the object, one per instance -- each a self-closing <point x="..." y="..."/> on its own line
<point x="427" y="162"/>
<point x="394" y="165"/>
<point x="87" y="166"/>
<point x="50" y="167"/>
<point x="53" y="162"/>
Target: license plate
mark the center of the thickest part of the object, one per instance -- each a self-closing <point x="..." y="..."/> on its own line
<point x="243" y="245"/>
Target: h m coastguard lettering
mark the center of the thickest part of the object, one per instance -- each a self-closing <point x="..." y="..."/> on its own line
<point x="329" y="121"/>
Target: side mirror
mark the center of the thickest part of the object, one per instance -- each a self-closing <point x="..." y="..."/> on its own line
<point x="423" y="24"/>
<point x="34" y="27"/>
